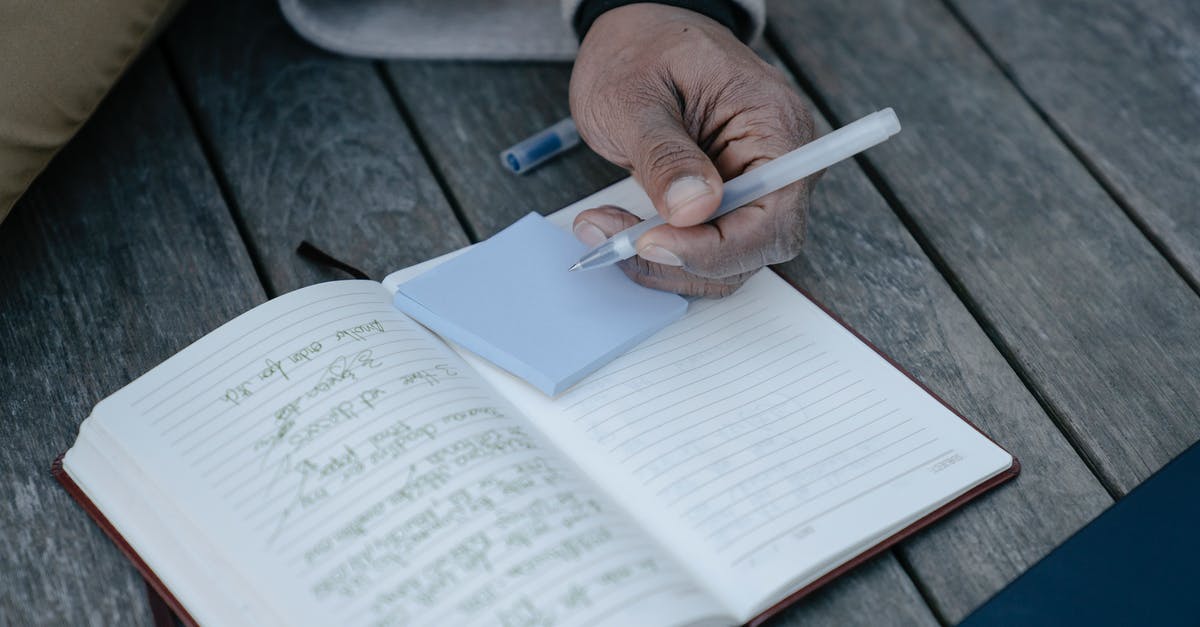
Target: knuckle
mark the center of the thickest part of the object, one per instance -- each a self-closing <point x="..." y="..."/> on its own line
<point x="788" y="236"/>
<point x="655" y="276"/>
<point x="708" y="266"/>
<point x="638" y="277"/>
<point x="640" y="267"/>
<point x="801" y="122"/>
<point x="718" y="290"/>
<point x="794" y="122"/>
<point x="657" y="280"/>
<point x="703" y="289"/>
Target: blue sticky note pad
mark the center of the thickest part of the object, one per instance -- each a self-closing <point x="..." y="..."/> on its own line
<point x="512" y="301"/>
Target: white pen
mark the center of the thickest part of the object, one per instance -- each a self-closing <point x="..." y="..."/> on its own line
<point x="776" y="174"/>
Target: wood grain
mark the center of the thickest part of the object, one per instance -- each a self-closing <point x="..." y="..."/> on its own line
<point x="862" y="263"/>
<point x="456" y="126"/>
<point x="468" y="112"/>
<point x="1122" y="85"/>
<point x="875" y="594"/>
<point x="103" y="264"/>
<point x="310" y="144"/>
<point x="1094" y="318"/>
<point x="120" y="255"/>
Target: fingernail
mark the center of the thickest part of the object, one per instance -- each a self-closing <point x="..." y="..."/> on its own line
<point x="589" y="234"/>
<point x="658" y="254"/>
<point x="684" y="191"/>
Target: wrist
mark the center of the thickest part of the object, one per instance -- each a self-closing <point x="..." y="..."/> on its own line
<point x="725" y="12"/>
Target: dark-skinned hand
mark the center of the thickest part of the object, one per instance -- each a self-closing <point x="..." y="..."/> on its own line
<point x="676" y="99"/>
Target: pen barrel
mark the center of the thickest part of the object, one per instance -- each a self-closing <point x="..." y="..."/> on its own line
<point x="776" y="174"/>
<point x="808" y="159"/>
<point x="624" y="242"/>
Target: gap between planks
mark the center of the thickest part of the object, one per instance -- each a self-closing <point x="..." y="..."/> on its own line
<point x="210" y="159"/>
<point x="943" y="268"/>
<point x="423" y="147"/>
<point x="1077" y="151"/>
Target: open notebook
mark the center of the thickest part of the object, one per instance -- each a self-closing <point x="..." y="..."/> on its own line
<point x="323" y="459"/>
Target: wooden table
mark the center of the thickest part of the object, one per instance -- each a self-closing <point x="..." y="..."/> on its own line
<point x="1029" y="247"/>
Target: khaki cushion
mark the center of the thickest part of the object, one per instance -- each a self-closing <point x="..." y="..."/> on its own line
<point x="59" y="59"/>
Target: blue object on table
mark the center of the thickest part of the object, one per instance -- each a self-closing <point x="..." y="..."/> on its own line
<point x="512" y="301"/>
<point x="1138" y="563"/>
<point x="540" y="147"/>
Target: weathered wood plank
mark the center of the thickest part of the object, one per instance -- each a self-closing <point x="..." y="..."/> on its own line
<point x="876" y="594"/>
<point x="466" y="129"/>
<point x="1120" y="81"/>
<point x="311" y="146"/>
<point x="1096" y="320"/>
<point x="121" y="254"/>
<point x="884" y="582"/>
<point x="861" y="261"/>
<point x="464" y="141"/>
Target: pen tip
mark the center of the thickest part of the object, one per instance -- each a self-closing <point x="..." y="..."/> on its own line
<point x="574" y="268"/>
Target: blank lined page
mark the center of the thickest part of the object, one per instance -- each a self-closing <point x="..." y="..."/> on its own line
<point x="331" y="461"/>
<point x="762" y="440"/>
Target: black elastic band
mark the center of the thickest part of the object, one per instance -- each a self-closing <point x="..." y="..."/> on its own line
<point x="723" y="11"/>
<point x="312" y="253"/>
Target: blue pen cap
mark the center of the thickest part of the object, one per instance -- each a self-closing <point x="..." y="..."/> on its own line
<point x="537" y="149"/>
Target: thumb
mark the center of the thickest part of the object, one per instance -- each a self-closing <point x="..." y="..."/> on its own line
<point x="680" y="179"/>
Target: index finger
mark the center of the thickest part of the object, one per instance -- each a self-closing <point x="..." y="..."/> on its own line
<point x="769" y="230"/>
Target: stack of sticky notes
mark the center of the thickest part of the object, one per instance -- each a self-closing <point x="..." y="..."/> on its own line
<point x="512" y="301"/>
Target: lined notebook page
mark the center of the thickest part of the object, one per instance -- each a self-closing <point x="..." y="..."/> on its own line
<point x="335" y="462"/>
<point x="757" y="439"/>
<point x="761" y="440"/>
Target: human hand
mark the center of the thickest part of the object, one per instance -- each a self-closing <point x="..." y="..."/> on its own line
<point x="675" y="98"/>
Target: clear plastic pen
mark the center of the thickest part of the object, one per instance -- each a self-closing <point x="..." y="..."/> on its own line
<point x="806" y="160"/>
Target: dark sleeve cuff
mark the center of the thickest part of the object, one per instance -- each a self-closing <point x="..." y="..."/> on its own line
<point x="723" y="11"/>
